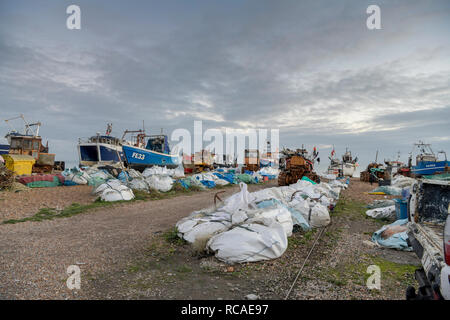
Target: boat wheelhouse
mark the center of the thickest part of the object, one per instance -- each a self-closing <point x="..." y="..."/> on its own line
<point x="100" y="149"/>
<point x="155" y="152"/>
<point x="29" y="143"/>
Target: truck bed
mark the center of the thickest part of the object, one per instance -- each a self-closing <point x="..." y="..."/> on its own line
<point x="429" y="209"/>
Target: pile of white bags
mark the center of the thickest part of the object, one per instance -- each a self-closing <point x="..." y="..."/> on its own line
<point x="254" y="226"/>
<point x="164" y="171"/>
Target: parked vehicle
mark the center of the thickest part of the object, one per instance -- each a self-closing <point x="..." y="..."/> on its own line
<point x="429" y="235"/>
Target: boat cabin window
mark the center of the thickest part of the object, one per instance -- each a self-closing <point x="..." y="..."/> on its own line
<point x="108" y="154"/>
<point x="27" y="144"/>
<point x="89" y="153"/>
<point x="16" y="144"/>
<point x="158" y="144"/>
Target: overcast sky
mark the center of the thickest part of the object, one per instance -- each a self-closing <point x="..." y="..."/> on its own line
<point x="309" y="68"/>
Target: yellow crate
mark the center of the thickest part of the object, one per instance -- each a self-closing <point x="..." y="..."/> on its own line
<point x="20" y="164"/>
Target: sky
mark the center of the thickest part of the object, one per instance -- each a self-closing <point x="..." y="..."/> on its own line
<point x="311" y="69"/>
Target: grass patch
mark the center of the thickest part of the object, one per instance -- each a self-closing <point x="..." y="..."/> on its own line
<point x="50" y="213"/>
<point x="308" y="236"/>
<point x="350" y="208"/>
<point x="183" y="269"/>
<point x="76" y="208"/>
<point x="393" y="274"/>
<point x="171" y="236"/>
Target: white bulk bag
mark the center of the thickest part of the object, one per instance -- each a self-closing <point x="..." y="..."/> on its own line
<point x="79" y="177"/>
<point x="117" y="194"/>
<point x="113" y="190"/>
<point x="110" y="184"/>
<point x="138" y="184"/>
<point x="203" y="231"/>
<point x="267" y="194"/>
<point x="277" y="213"/>
<point x="320" y="217"/>
<point x="160" y="183"/>
<point x="249" y="242"/>
<point x="134" y="174"/>
<point x="179" y="171"/>
<point x="301" y="205"/>
<point x="382" y="213"/>
<point x="238" y="201"/>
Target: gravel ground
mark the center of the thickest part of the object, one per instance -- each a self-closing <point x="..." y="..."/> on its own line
<point x="336" y="269"/>
<point x="18" y="205"/>
<point x="34" y="256"/>
<point x="123" y="253"/>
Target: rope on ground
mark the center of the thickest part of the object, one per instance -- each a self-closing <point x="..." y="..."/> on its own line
<point x="304" y="262"/>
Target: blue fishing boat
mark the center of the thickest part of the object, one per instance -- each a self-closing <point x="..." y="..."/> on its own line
<point x="155" y="153"/>
<point x="427" y="162"/>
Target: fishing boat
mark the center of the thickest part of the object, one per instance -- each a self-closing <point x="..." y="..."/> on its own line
<point x="335" y="166"/>
<point x="100" y="149"/>
<point x="348" y="164"/>
<point x="149" y="150"/>
<point x="4" y="146"/>
<point x="427" y="162"/>
<point x="29" y="143"/>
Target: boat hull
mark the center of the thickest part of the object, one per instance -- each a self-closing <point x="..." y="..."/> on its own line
<point x="4" y="148"/>
<point x="333" y="170"/>
<point x="140" y="158"/>
<point x="429" y="167"/>
<point x="348" y="169"/>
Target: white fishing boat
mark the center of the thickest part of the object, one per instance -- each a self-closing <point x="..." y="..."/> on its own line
<point x="349" y="164"/>
<point x="335" y="166"/>
<point x="100" y="149"/>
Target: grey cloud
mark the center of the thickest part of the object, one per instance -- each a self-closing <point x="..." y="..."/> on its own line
<point x="306" y="67"/>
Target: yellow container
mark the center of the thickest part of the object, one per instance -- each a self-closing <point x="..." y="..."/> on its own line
<point x="20" y="164"/>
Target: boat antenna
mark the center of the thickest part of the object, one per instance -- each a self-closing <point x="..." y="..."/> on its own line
<point x="27" y="125"/>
